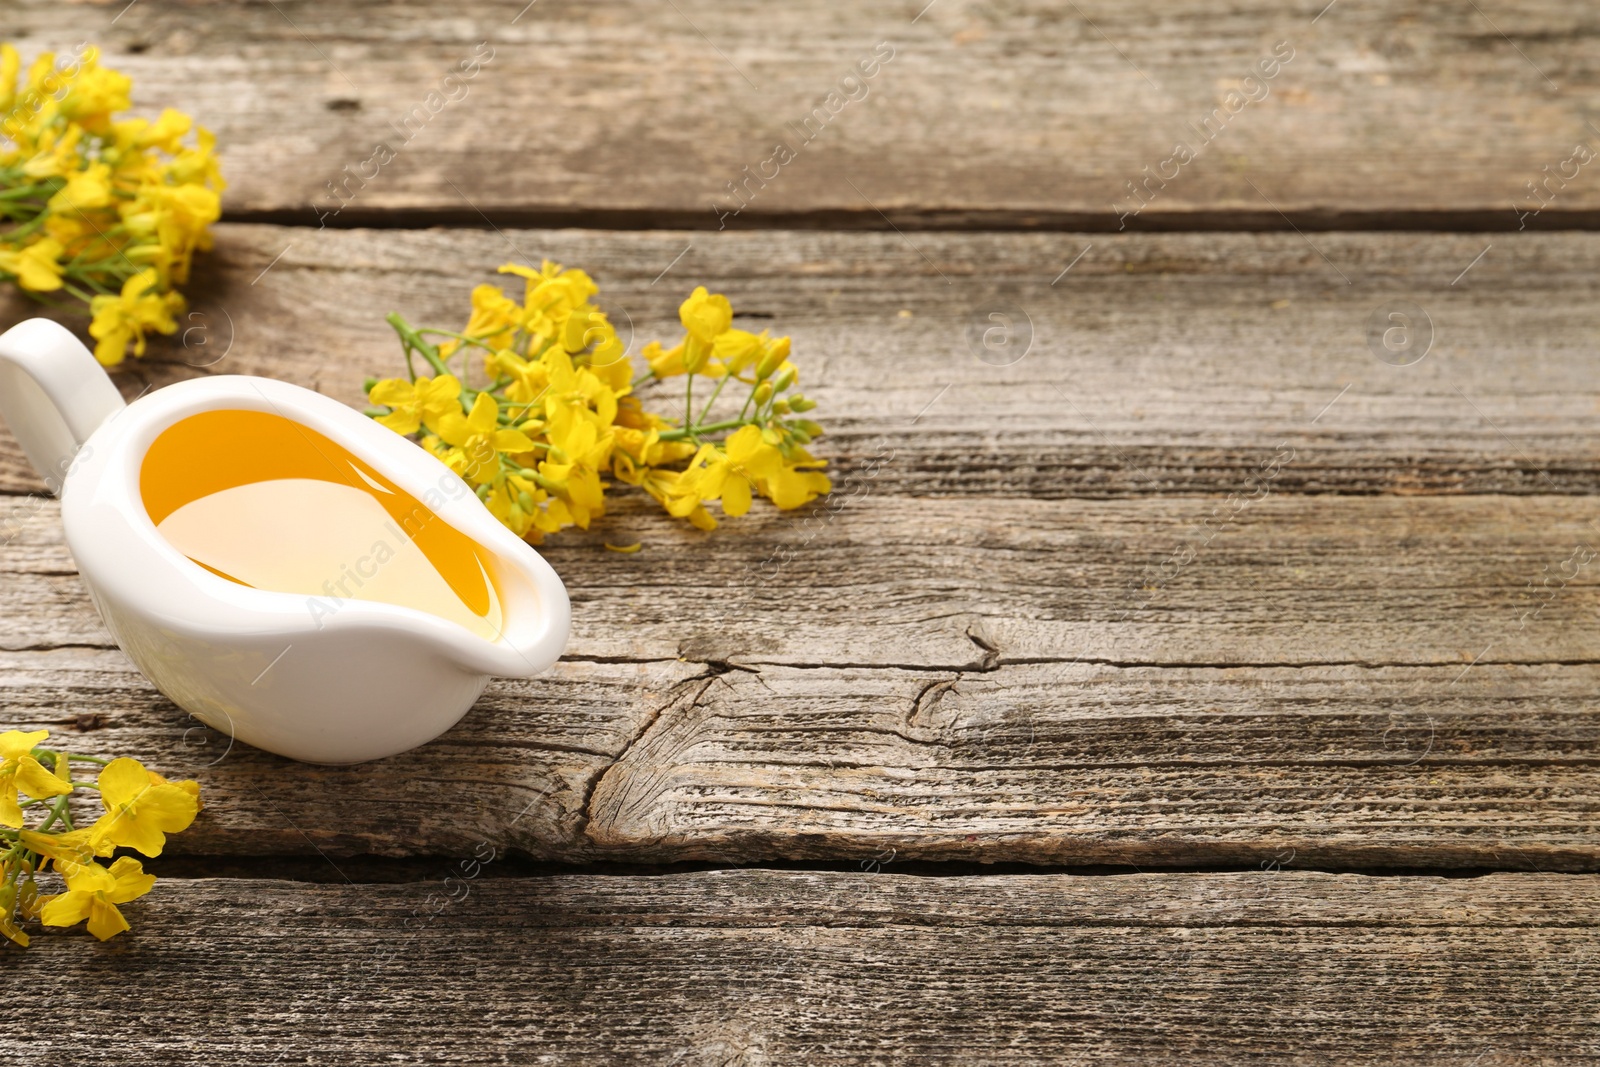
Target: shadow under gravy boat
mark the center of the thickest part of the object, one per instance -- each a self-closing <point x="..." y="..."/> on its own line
<point x="173" y="504"/>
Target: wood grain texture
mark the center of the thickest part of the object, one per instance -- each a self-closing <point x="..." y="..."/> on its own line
<point x="1162" y="365"/>
<point x="980" y="651"/>
<point x="1021" y="112"/>
<point x="763" y="967"/>
<point x="943" y="585"/>
<point x="1358" y="682"/>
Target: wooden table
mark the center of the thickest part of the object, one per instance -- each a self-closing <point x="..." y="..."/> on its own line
<point x="1197" y="678"/>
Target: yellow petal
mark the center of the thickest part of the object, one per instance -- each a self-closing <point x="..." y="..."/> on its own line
<point x="131" y="880"/>
<point x="743" y="443"/>
<point x="35" y="781"/>
<point x="15" y="743"/>
<point x="10" y="810"/>
<point x="443" y="390"/>
<point x="764" y="462"/>
<point x="512" y="441"/>
<point x="105" y="921"/>
<point x="121" y="782"/>
<point x="392" y="392"/>
<point x="736" y="497"/>
<point x="485" y="415"/>
<point x="65" y="909"/>
<point x="404" y="423"/>
<point x="453" y="429"/>
<point x="626" y="550"/>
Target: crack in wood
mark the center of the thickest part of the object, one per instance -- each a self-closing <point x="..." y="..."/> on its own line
<point x="699" y="683"/>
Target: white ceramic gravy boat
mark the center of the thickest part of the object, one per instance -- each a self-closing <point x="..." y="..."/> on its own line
<point x="317" y="674"/>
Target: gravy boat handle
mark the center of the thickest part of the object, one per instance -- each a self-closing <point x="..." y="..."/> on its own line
<point x="53" y="395"/>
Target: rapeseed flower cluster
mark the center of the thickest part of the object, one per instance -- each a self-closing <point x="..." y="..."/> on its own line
<point x="141" y="809"/>
<point x="108" y="212"/>
<point x="557" y="421"/>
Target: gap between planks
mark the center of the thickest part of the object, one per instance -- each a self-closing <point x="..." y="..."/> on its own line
<point x="1470" y="220"/>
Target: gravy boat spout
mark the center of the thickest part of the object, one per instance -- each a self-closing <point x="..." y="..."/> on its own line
<point x="277" y="564"/>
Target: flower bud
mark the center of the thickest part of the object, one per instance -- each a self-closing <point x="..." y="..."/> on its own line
<point x="785" y="379"/>
<point x="763" y="393"/>
<point x="772" y="358"/>
<point x="695" y="354"/>
<point x="800" y="403"/>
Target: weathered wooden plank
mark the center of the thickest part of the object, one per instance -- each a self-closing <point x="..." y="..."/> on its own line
<point x="768" y="967"/>
<point x="1024" y="111"/>
<point x="1006" y="603"/>
<point x="1091" y="764"/>
<point x="1059" y="764"/>
<point x="517" y="768"/>
<point x="940" y="584"/>
<point x="1160" y="364"/>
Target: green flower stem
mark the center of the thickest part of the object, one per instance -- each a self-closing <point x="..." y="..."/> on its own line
<point x="411" y="338"/>
<point x="75" y="291"/>
<point x="23" y="191"/>
<point x="58" y="811"/>
<point x="468" y="338"/>
<point x="753" y="387"/>
<point x="696" y="431"/>
<point x="92" y="282"/>
<point x="25" y="229"/>
<point x="105" y="264"/>
<point x="714" y="394"/>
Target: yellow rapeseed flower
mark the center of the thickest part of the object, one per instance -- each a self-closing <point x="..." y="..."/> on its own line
<point x="796" y="482"/>
<point x="663" y="485"/>
<point x="10" y="67"/>
<point x="20" y="772"/>
<point x="729" y="474"/>
<point x="585" y="453"/>
<point x="142" y="809"/>
<point x="493" y="320"/>
<point x="76" y="847"/>
<point x="120" y="319"/>
<point x="416" y="404"/>
<point x="95" y="202"/>
<point x="706" y="316"/>
<point x="575" y="394"/>
<point x="36" y="267"/>
<point x="665" y="363"/>
<point x="8" y="909"/>
<point x="557" y="415"/>
<point x="85" y="189"/>
<point x="93" y="893"/>
<point x="94" y="93"/>
<point x="528" y="377"/>
<point x="476" y="439"/>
